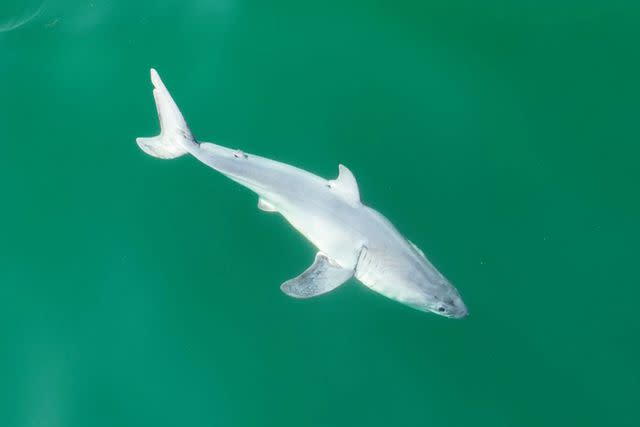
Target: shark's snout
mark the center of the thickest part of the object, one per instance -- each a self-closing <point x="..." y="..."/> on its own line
<point x="451" y="306"/>
<point x="460" y="311"/>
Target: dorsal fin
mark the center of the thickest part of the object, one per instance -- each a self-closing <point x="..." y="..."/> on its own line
<point x="346" y="184"/>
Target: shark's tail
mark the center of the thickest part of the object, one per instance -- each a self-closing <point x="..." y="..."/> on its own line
<point x="175" y="137"/>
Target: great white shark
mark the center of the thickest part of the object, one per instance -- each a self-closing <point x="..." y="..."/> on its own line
<point x="353" y="240"/>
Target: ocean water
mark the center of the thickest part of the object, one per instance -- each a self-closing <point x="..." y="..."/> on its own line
<point x="502" y="137"/>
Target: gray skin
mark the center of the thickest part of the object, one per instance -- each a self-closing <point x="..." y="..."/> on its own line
<point x="353" y="240"/>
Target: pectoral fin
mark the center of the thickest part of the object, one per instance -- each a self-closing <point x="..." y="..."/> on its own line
<point x="323" y="276"/>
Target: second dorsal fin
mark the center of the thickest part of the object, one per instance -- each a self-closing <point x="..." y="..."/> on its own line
<point x="263" y="205"/>
<point x="346" y="184"/>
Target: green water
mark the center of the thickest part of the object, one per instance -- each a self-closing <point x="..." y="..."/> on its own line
<point x="500" y="136"/>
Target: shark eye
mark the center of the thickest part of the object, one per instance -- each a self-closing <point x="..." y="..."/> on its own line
<point x="441" y="309"/>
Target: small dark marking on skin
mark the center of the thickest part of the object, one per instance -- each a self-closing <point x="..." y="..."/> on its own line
<point x="186" y="133"/>
<point x="240" y="154"/>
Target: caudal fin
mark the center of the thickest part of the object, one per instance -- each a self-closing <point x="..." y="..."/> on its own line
<point x="175" y="136"/>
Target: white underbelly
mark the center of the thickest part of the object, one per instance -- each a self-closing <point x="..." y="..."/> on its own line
<point x="329" y="235"/>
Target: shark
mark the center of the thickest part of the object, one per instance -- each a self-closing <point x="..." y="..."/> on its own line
<point x="353" y="240"/>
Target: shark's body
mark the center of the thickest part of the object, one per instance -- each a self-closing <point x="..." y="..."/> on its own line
<point x="352" y="239"/>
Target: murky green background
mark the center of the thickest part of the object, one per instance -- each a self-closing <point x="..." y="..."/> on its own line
<point x="500" y="136"/>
